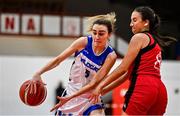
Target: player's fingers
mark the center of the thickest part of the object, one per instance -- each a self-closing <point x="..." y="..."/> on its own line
<point x="55" y="107"/>
<point x="28" y="86"/>
<point x="59" y="98"/>
<point x="31" y="88"/>
<point x="35" y="88"/>
<point x="90" y="98"/>
<point x="52" y="109"/>
<point x="95" y="100"/>
<point x="44" y="83"/>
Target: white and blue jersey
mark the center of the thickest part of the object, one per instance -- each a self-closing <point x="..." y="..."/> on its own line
<point x="84" y="68"/>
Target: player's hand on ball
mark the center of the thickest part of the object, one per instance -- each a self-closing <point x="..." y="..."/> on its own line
<point x="32" y="86"/>
<point x="33" y="83"/>
<point x="32" y="93"/>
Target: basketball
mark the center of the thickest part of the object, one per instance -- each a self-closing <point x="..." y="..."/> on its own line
<point x="32" y="99"/>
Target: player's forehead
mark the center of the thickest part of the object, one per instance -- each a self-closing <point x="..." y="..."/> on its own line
<point x="135" y="15"/>
<point x="99" y="28"/>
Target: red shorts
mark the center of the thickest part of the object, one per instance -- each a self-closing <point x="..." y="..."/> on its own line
<point x="149" y="97"/>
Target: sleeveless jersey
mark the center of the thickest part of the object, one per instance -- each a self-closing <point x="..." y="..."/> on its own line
<point x="84" y="67"/>
<point x="148" y="60"/>
<point x="145" y="67"/>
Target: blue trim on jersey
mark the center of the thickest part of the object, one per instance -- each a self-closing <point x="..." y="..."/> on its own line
<point x="85" y="113"/>
<point x="91" y="108"/>
<point x="88" y="52"/>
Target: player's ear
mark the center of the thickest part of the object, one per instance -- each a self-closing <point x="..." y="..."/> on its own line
<point x="146" y="22"/>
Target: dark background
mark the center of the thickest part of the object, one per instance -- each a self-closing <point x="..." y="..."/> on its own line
<point x="167" y="10"/>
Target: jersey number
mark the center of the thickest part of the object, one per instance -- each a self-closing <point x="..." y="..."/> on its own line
<point x="87" y="73"/>
<point x="158" y="61"/>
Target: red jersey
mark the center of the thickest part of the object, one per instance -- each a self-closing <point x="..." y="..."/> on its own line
<point x="147" y="94"/>
<point x="148" y="60"/>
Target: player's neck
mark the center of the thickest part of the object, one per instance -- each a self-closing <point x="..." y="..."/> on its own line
<point x="98" y="49"/>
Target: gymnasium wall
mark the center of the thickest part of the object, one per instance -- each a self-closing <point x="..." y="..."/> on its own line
<point x="33" y="45"/>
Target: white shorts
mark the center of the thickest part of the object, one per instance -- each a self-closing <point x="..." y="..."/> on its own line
<point x="78" y="106"/>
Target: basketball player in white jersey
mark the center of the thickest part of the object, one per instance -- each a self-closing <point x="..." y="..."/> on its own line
<point x="94" y="57"/>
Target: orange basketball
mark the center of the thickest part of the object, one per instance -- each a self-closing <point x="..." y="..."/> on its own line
<point x="32" y="99"/>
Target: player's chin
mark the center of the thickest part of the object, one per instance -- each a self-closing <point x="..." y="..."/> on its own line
<point x="133" y="31"/>
<point x="98" y="44"/>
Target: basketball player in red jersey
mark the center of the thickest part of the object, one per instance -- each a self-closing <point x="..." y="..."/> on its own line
<point x="147" y="94"/>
